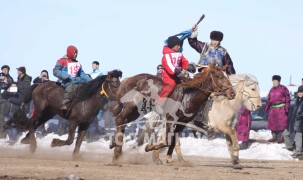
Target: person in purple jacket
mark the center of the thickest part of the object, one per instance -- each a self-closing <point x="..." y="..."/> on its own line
<point x="243" y="128"/>
<point x="277" y="104"/>
<point x="213" y="51"/>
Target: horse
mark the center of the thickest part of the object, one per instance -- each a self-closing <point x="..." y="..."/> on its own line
<point x="89" y="99"/>
<point x="191" y="94"/>
<point x="220" y="114"/>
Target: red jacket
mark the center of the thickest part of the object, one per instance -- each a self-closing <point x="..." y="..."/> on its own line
<point x="172" y="62"/>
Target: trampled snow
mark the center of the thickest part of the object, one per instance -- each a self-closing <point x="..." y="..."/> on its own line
<point x="259" y="149"/>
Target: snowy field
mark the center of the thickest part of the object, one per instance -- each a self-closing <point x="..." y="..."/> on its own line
<point x="259" y="149"/>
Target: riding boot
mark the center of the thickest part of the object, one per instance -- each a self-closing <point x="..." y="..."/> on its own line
<point x="281" y="139"/>
<point x="274" y="137"/>
<point x="244" y="145"/>
<point x="67" y="98"/>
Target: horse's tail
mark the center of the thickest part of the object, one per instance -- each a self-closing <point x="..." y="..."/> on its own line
<point x="28" y="94"/>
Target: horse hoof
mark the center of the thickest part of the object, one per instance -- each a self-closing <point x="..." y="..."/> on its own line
<point x="115" y="161"/>
<point x="55" y="142"/>
<point x="237" y="166"/>
<point x="33" y="148"/>
<point x="77" y="157"/>
<point x="112" y="145"/>
<point x="148" y="148"/>
<point x="158" y="162"/>
<point x="25" y="141"/>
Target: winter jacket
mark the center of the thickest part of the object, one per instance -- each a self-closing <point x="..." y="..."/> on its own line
<point x="96" y="73"/>
<point x="69" y="70"/>
<point x="39" y="80"/>
<point x="13" y="102"/>
<point x="173" y="63"/>
<point x="199" y="47"/>
<point x="4" y="86"/>
<point x="297" y="116"/>
<point x="24" y="83"/>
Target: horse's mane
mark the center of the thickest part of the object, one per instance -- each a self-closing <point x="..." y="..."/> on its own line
<point x="247" y="78"/>
<point x="235" y="79"/>
<point x="87" y="90"/>
<point x="195" y="82"/>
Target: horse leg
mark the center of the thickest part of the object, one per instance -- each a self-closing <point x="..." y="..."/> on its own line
<point x="32" y="139"/>
<point x="178" y="151"/>
<point x="232" y="143"/>
<point x="178" y="130"/>
<point x="36" y="121"/>
<point x="156" y="153"/>
<point x="72" y="128"/>
<point x="81" y="134"/>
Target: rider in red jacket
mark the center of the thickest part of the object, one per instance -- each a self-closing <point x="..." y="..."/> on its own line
<point x="173" y="63"/>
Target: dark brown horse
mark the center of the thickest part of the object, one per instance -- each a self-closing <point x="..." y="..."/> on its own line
<point x="186" y="100"/>
<point x="89" y="99"/>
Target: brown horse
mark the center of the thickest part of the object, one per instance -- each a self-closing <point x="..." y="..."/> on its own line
<point x="186" y="100"/>
<point x="89" y="99"/>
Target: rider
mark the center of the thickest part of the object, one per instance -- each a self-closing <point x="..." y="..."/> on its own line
<point x="212" y="52"/>
<point x="69" y="70"/>
<point x="173" y="62"/>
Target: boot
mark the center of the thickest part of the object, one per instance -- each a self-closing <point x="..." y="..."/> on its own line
<point x="274" y="137"/>
<point x="281" y="139"/>
<point x="244" y="145"/>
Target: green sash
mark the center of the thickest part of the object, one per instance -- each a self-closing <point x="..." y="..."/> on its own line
<point x="278" y="105"/>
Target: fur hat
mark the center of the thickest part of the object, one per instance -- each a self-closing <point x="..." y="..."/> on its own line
<point x="172" y="41"/>
<point x="22" y="69"/>
<point x="216" y="35"/>
<point x="276" y="77"/>
<point x="300" y="89"/>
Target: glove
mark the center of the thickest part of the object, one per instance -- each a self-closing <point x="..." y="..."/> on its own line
<point x="191" y="68"/>
<point x="180" y="76"/>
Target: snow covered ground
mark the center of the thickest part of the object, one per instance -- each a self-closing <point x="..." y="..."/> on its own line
<point x="190" y="146"/>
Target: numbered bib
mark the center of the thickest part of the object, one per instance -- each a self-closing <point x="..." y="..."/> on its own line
<point x="176" y="59"/>
<point x="73" y="68"/>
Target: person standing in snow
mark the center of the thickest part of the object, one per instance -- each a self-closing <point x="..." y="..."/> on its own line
<point x="277" y="104"/>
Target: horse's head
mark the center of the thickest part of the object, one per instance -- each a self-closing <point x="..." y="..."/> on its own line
<point x="113" y="83"/>
<point x="220" y="82"/>
<point x="19" y="120"/>
<point x="247" y="90"/>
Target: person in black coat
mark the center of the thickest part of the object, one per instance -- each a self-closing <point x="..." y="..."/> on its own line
<point x="13" y="102"/>
<point x="42" y="78"/>
<point x="295" y="124"/>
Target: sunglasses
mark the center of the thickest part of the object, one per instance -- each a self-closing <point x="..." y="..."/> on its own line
<point x="160" y="68"/>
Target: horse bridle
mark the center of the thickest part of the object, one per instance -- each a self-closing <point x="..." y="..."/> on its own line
<point x="220" y="89"/>
<point x="248" y="95"/>
<point x="104" y="94"/>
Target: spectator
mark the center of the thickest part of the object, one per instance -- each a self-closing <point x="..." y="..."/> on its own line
<point x="93" y="127"/>
<point x="13" y="101"/>
<point x="159" y="70"/>
<point x="5" y="80"/>
<point x="43" y="77"/>
<point x="24" y="80"/>
<point x="243" y="129"/>
<point x="277" y="104"/>
<point x="96" y="72"/>
<point x="295" y="125"/>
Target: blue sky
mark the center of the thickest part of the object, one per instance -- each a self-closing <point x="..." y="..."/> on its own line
<point x="263" y="37"/>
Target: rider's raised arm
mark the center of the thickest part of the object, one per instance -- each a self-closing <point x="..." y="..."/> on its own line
<point x="227" y="60"/>
<point x="194" y="43"/>
<point x="60" y="71"/>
